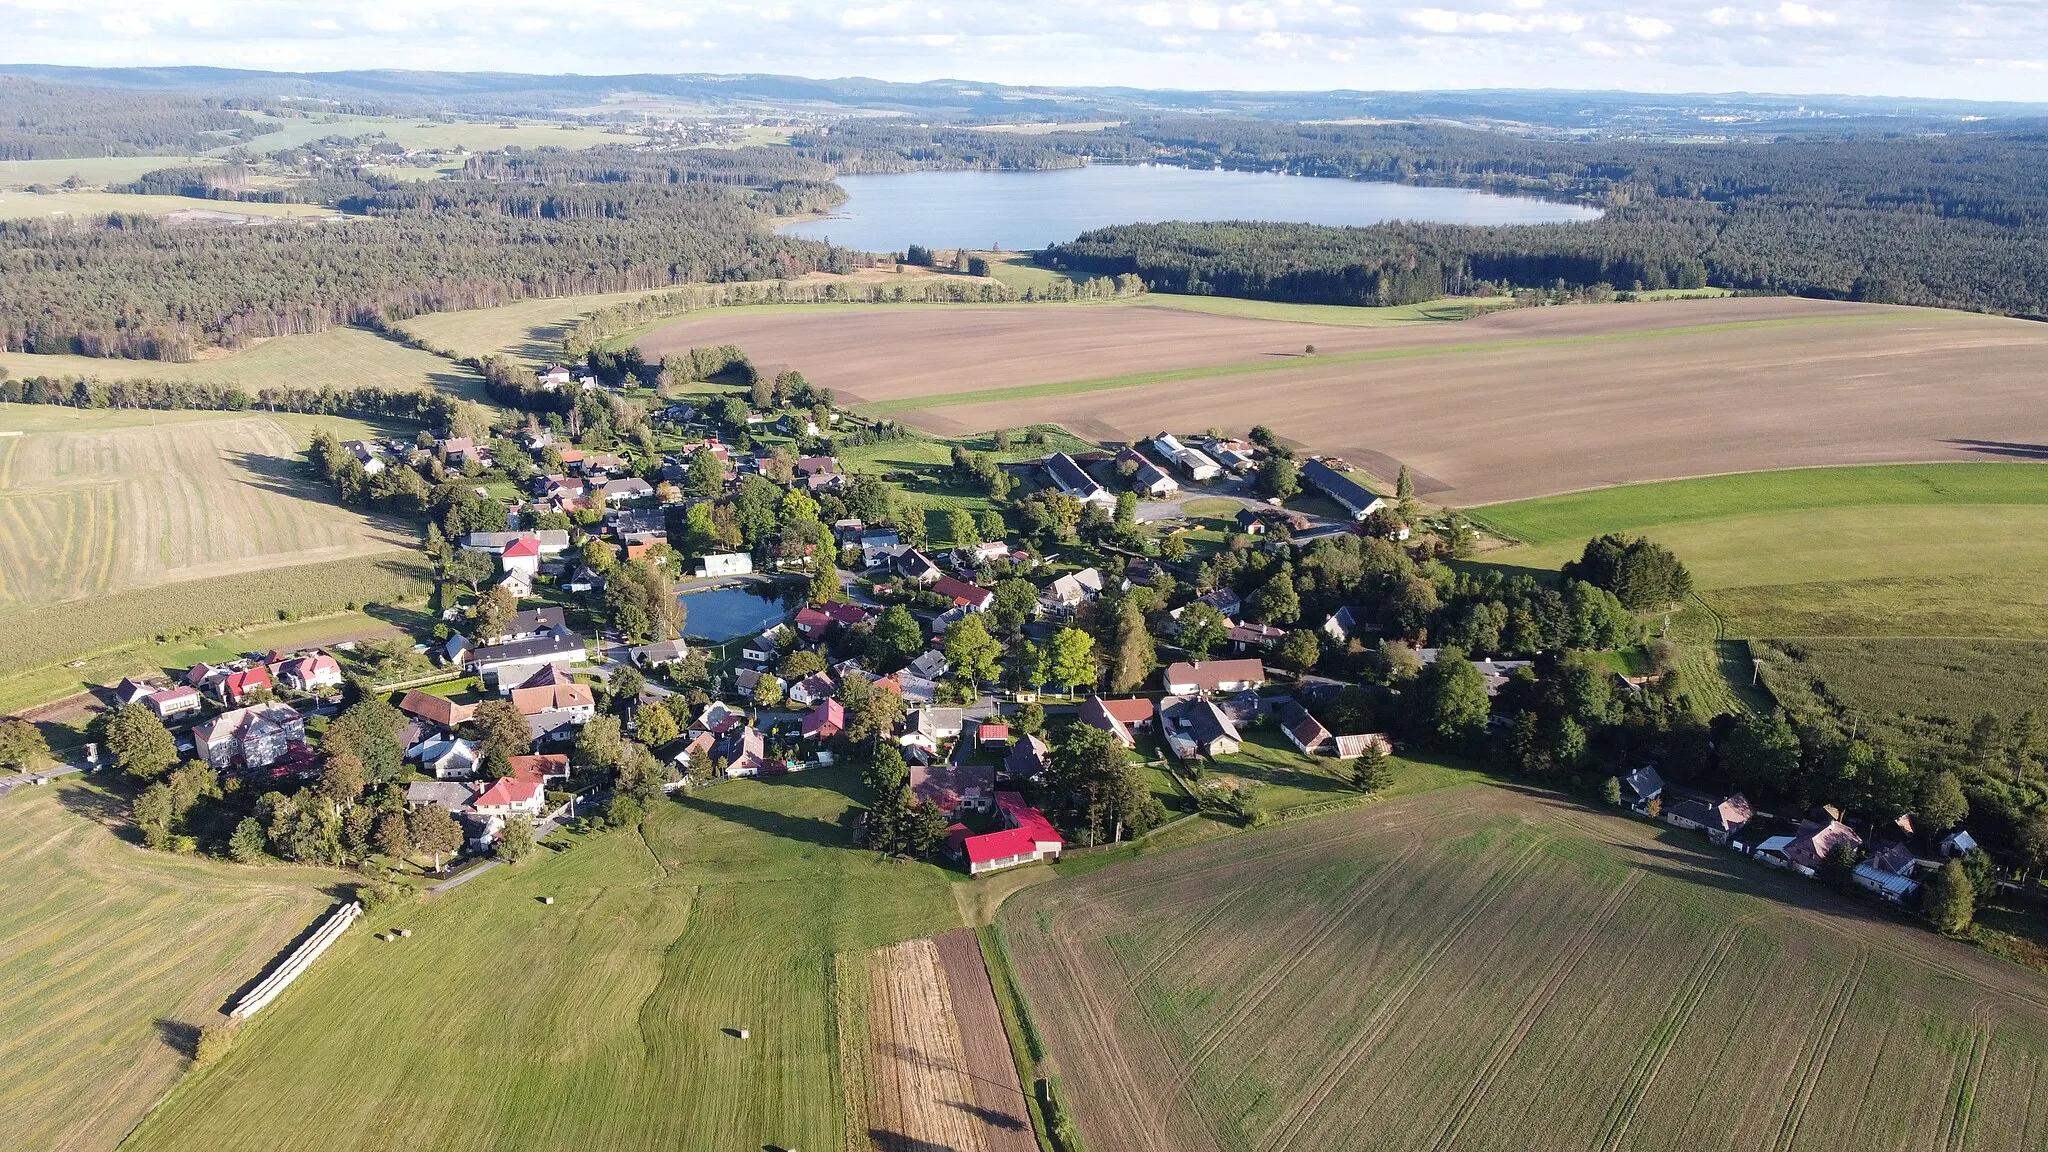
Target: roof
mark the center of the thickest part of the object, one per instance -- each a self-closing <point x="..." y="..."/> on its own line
<point x="1815" y="841"/>
<point x="829" y="715"/>
<point x="551" y="644"/>
<point x="1068" y="474"/>
<point x="552" y="697"/>
<point x="1026" y="758"/>
<point x="1306" y="729"/>
<point x="961" y="592"/>
<point x="1352" y="747"/>
<point x="533" y="621"/>
<point x="435" y="709"/>
<point x="248" y="680"/>
<point x="526" y="547"/>
<point x="1210" y="675"/>
<point x="1355" y="497"/>
<point x="449" y="794"/>
<point x="538" y="768"/>
<point x="1643" y="783"/>
<point x="660" y="652"/>
<point x="1891" y="882"/>
<point x="1185" y="718"/>
<point x="233" y="722"/>
<point x="548" y="675"/>
<point x="508" y="791"/>
<point x="1115" y="716"/>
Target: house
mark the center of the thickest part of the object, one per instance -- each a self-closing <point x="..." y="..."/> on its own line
<point x="718" y="718"/>
<point x="447" y="758"/>
<point x="131" y="691"/>
<point x="1027" y="759"/>
<point x="724" y="564"/>
<point x="504" y="666"/>
<point x="1345" y="623"/>
<point x="1120" y="718"/>
<point x="310" y="673"/>
<point x="1805" y="850"/>
<point x="236" y="687"/>
<point x="1958" y="843"/>
<point x="1026" y="836"/>
<point x="813" y="689"/>
<point x="569" y="703"/>
<point x="969" y="596"/>
<point x="554" y="487"/>
<point x="1073" y="480"/>
<point x="171" y="703"/>
<point x="1356" y="498"/>
<point x="203" y="675"/>
<point x="825" y="721"/>
<point x="539" y="769"/>
<point x="816" y="623"/>
<point x="449" y="794"/>
<point x="988" y="735"/>
<point x="526" y="625"/>
<point x="1193" y="461"/>
<point x="1225" y="601"/>
<point x="658" y="655"/>
<point x="937" y="723"/>
<point x="1146" y="476"/>
<point x="916" y="567"/>
<point x="626" y="489"/>
<point x="552" y="541"/>
<point x="366" y="454"/>
<point x="929" y="665"/>
<point x="745" y="752"/>
<point x="640" y="545"/>
<point x="509" y="797"/>
<point x="1304" y="731"/>
<point x="1072" y="590"/>
<point x="913" y="688"/>
<point x="460" y="450"/>
<point x="439" y="711"/>
<point x="1641" y="786"/>
<point x="552" y="377"/>
<point x="253" y="737"/>
<point x="521" y="556"/>
<point x="519" y="584"/>
<point x="583" y="579"/>
<point x="456" y="650"/>
<point x="1720" y="821"/>
<point x="975" y="555"/>
<point x="1193" y="726"/>
<point x="1254" y="637"/>
<point x="1250" y="522"/>
<point x="1889" y="874"/>
<point x="954" y="788"/>
<point x="817" y="467"/>
<point x="1206" y="676"/>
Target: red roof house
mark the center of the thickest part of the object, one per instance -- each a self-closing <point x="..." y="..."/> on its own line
<point x="539" y="769"/>
<point x="510" y="797"/>
<point x="970" y="596"/>
<point x="825" y="721"/>
<point x="235" y="686"/>
<point x="1029" y="836"/>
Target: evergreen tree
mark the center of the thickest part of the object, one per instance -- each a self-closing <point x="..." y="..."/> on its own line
<point x="1133" y="657"/>
<point x="1373" y="770"/>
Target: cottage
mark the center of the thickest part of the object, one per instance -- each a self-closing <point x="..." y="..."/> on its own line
<point x="1073" y="480"/>
<point x="954" y="788"/>
<point x="439" y="711"/>
<point x="1207" y="676"/>
<point x="1640" y="786"/>
<point x="509" y="797"/>
<point x="724" y="564"/>
<point x="1146" y="477"/>
<point x="1304" y="731"/>
<point x="825" y="721"/>
<point x="1193" y="726"/>
<point x="253" y="737"/>
<point x="761" y="649"/>
<point x="171" y="703"/>
<point x="1072" y="590"/>
<point x="745" y="752"/>
<point x="1026" y="759"/>
<point x="969" y="596"/>
<point x="917" y="567"/>
<point x="447" y="758"/>
<point x="505" y="666"/>
<point x="1120" y="718"/>
<point x="813" y="689"/>
<point x="1356" y="498"/>
<point x="132" y="691"/>
<point x="1026" y="836"/>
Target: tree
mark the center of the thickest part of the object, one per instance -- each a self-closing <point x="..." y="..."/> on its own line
<point x="369" y="730"/>
<point x="493" y="615"/>
<point x="502" y="734"/>
<point x="800" y="662"/>
<point x="153" y="815"/>
<point x="472" y="566"/>
<point x="1838" y="868"/>
<point x="1014" y="602"/>
<point x="824" y="586"/>
<point x="961" y="527"/>
<point x="871" y="712"/>
<point x="1276" y="601"/>
<point x="1610" y="790"/>
<point x="213" y="1043"/>
<point x="1299" y="650"/>
<point x="926" y="828"/>
<point x="1073" y="658"/>
<point x="1761" y="755"/>
<point x="1641" y="573"/>
<point x="516" y="842"/>
<point x="139" y="742"/>
<point x="1029" y="719"/>
<point x="887" y="773"/>
<point x="767" y="692"/>
<point x="1373" y="770"/>
<point x="974" y="656"/>
<point x="2033" y="841"/>
<point x="1202" y="629"/>
<point x="434" y="831"/>
<point x="342" y="779"/>
<point x="655" y="727"/>
<point x="22" y="746"/>
<point x="896" y="638"/>
<point x="245" y="846"/>
<point x="1941" y="801"/>
<point x="1132" y="656"/>
<point x="1454" y="703"/>
<point x="1091" y="775"/>
<point x="1951" y="901"/>
<point x="391" y="836"/>
<point x="1278" y="476"/>
<point x="602" y="744"/>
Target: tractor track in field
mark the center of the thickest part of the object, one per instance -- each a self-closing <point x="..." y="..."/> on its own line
<point x="1819" y="1051"/>
<point x="1698" y="982"/>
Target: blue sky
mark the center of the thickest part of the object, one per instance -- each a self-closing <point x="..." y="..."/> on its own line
<point x="1982" y="49"/>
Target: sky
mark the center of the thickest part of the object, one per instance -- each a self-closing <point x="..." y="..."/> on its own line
<point x="1976" y="49"/>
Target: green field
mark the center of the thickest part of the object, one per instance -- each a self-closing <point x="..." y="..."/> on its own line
<point x="412" y="132"/>
<point x="29" y="205"/>
<point x="1905" y="550"/>
<point x="530" y="330"/>
<point x="340" y="357"/>
<point x="92" y="171"/>
<point x="1917" y="697"/>
<point x="114" y="957"/>
<point x="503" y="1023"/>
<point x="1477" y="970"/>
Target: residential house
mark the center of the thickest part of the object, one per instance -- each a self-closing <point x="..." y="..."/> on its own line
<point x="640" y="545"/>
<point x="448" y="794"/>
<point x="724" y="564"/>
<point x="1147" y="477"/>
<point x="879" y="546"/>
<point x="171" y="703"/>
<point x="1193" y="461"/>
<point x="954" y="788"/>
<point x="813" y="689"/>
<point x="521" y="556"/>
<point x="1224" y="601"/>
<point x="745" y="752"/>
<point x="763" y="648"/>
<point x="1806" y="849"/>
<point x="254" y="737"/>
<point x="310" y="673"/>
<point x="236" y="687"/>
<point x="929" y="665"/>
<point x="552" y="541"/>
<point x="939" y="724"/>
<point x="817" y="467"/>
<point x="561" y="488"/>
<point x="132" y="691"/>
<point x="819" y="622"/>
<point x="552" y="707"/>
<point x="1640" y="786"/>
<point x="460" y="451"/>
<point x="1721" y="821"/>
<point x="746" y="681"/>
<point x="504" y="666"/>
<point x="627" y="489"/>
<point x="1345" y="623"/>
<point x="916" y="690"/>
<point x="1889" y="874"/>
<point x="447" y="758"/>
<point x="995" y="737"/>
<point x="456" y="650"/>
<point x="969" y="596"/>
<point x="917" y="567"/>
<point x="1072" y="590"/>
<point x="1254" y="637"/>
<point x="658" y="655"/>
<point x="1122" y="718"/>
<point x="1194" y="726"/>
<point x="975" y="555"/>
<point x="509" y="797"/>
<point x="1958" y="843"/>
<point x="1073" y="480"/>
<point x="1250" y="522"/>
<point x="528" y="624"/>
<point x="825" y="721"/>
<point x="519" y="584"/>
<point x="539" y="769"/>
<point x="439" y="711"/>
<point x="366" y="454"/>
<point x="583" y="579"/>
<point x="1027" y="759"/>
<point x="1356" y="498"/>
<point x="1026" y="836"/>
<point x="1495" y="672"/>
<point x="1209" y="676"/>
<point x="1304" y="731"/>
<point x="718" y="718"/>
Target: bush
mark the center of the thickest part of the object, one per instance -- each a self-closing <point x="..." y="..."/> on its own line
<point x="383" y="894"/>
<point x="213" y="1043"/>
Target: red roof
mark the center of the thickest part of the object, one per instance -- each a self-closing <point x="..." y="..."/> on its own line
<point x="508" y="791"/>
<point x="960" y="591"/>
<point x="242" y="683"/>
<point x="525" y="546"/>
<point x="536" y="769"/>
<point x="1031" y="830"/>
<point x="993" y="732"/>
<point x="826" y="720"/>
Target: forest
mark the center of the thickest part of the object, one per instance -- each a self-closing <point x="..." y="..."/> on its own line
<point x="51" y="121"/>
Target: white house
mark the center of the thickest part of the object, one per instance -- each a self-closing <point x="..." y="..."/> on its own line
<point x="509" y="797"/>
<point x="447" y="759"/>
<point x="1193" y="461"/>
<point x="725" y="564"/>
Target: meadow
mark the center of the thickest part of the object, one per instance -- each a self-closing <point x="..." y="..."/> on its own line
<point x="1910" y="550"/>
<point x="35" y="206"/>
<point x="432" y="135"/>
<point x="97" y="171"/>
<point x="1478" y="969"/>
<point x="114" y="958"/>
<point x="597" y="1021"/>
<point x="339" y="357"/>
<point x="1917" y="697"/>
<point x="529" y="330"/>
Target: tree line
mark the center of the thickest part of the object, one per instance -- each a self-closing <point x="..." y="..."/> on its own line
<point x="51" y="121"/>
<point x="415" y="404"/>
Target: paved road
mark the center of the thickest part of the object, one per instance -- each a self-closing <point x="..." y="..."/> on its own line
<point x="10" y="783"/>
<point x="541" y="831"/>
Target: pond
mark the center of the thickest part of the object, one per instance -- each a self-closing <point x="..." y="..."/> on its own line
<point x="721" y="614"/>
<point x="1029" y="210"/>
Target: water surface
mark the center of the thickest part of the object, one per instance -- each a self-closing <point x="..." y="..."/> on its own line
<point x="724" y="613"/>
<point x="1028" y="210"/>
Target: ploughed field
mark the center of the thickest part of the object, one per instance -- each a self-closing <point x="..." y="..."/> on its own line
<point x="1476" y="969"/>
<point x="1500" y="407"/>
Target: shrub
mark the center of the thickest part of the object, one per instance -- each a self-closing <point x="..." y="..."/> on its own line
<point x="213" y="1043"/>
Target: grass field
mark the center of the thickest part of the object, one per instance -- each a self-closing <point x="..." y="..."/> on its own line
<point x="1918" y="550"/>
<point x="412" y="132"/>
<point x="341" y="357"/>
<point x="28" y="205"/>
<point x="503" y="1023"/>
<point x="1917" y="697"/>
<point x="530" y="330"/>
<point x="92" y="171"/>
<point x="114" y="957"/>
<point x="1477" y="969"/>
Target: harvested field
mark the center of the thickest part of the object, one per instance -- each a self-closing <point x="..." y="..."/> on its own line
<point x="1500" y="407"/>
<point x="1481" y="969"/>
<point x="922" y="1096"/>
<point x="341" y="357"/>
<point x="998" y="1094"/>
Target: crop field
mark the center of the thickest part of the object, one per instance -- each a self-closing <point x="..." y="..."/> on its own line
<point x="598" y="1021"/>
<point x="530" y="330"/>
<point x="341" y="357"/>
<point x="30" y="205"/>
<point x="1504" y="406"/>
<point x="933" y="1082"/>
<point x="1919" y="550"/>
<point x="1917" y="697"/>
<point x="1476" y="969"/>
<point x="412" y="132"/>
<point x="114" y="958"/>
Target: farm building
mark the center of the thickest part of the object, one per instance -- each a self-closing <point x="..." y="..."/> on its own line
<point x="1073" y="480"/>
<point x="1352" y="747"/>
<point x="439" y="711"/>
<point x="1193" y="726"/>
<point x="1205" y="676"/>
<point x="1356" y="498"/>
<point x="1120" y="718"/>
<point x="505" y="666"/>
<point x="1146" y="476"/>
<point x="1027" y="836"/>
<point x="1193" y="461"/>
<point x="1304" y="731"/>
<point x="553" y="541"/>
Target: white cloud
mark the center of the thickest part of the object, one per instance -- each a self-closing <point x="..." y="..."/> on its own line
<point x="1154" y="15"/>
<point x="1434" y="19"/>
<point x="1803" y="16"/>
<point x="1648" y="27"/>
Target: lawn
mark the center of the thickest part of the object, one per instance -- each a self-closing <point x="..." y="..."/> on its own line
<point x="92" y="171"/>
<point x="1478" y="969"/>
<point x="1276" y="776"/>
<point x="114" y="957"/>
<point x="1906" y="550"/>
<point x="529" y="330"/>
<point x="598" y="1021"/>
<point x="338" y="357"/>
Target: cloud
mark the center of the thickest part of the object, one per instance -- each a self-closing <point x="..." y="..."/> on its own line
<point x="1648" y="27"/>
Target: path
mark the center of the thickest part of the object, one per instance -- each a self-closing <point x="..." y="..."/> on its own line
<point x="549" y="825"/>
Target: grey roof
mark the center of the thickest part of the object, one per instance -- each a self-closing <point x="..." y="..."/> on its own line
<point x="1195" y="718"/>
<point x="540" y="647"/>
<point x="1644" y="782"/>
<point x="1355" y="497"/>
<point x="449" y="794"/>
<point x="551" y="539"/>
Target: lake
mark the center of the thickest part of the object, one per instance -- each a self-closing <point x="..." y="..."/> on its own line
<point x="725" y="613"/>
<point x="1030" y="210"/>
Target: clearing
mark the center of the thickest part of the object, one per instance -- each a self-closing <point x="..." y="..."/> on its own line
<point x="30" y="205"/>
<point x="92" y="171"/>
<point x="338" y="357"/>
<point x="1478" y="969"/>
<point x="114" y="958"/>
<point x="598" y="1021"/>
<point x="1908" y="550"/>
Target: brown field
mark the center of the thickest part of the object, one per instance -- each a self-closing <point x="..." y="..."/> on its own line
<point x="998" y="1094"/>
<point x="921" y="1095"/>
<point x="1500" y="407"/>
<point x="1480" y="969"/>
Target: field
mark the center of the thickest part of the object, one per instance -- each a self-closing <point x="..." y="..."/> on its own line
<point x="598" y="1021"/>
<point x="412" y="132"/>
<point x="1476" y="969"/>
<point x="113" y="960"/>
<point x="94" y="171"/>
<point x="28" y="205"/>
<point x="1917" y="697"/>
<point x="1921" y="550"/>
<point x="341" y="357"/>
<point x="530" y="330"/>
<point x="1504" y="406"/>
